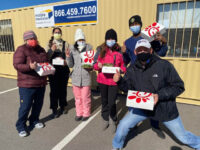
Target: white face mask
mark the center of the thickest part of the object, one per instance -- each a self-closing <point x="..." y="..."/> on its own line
<point x="110" y="43"/>
<point x="81" y="45"/>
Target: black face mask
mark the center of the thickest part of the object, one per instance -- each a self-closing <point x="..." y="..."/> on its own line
<point x="143" y="56"/>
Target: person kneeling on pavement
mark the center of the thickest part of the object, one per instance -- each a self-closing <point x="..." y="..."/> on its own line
<point x="152" y="74"/>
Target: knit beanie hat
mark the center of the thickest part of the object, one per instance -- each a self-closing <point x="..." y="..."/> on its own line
<point x="111" y="34"/>
<point x="79" y="35"/>
<point x="29" y="35"/>
<point x="134" y="19"/>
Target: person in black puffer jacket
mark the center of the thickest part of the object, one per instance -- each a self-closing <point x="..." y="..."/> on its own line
<point x="154" y="75"/>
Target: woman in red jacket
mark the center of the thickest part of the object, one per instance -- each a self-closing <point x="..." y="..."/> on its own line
<point x="109" y="53"/>
<point x="31" y="85"/>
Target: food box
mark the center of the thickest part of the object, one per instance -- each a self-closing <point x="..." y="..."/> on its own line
<point x="138" y="99"/>
<point x="149" y="32"/>
<point x="111" y="70"/>
<point x="87" y="59"/>
<point x="44" y="69"/>
<point x="58" y="61"/>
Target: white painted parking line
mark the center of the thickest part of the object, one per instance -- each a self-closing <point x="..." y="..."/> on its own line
<point x="73" y="134"/>
<point x="9" y="90"/>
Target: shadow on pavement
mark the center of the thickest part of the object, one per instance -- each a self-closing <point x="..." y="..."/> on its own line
<point x="96" y="100"/>
<point x="175" y="148"/>
<point x="50" y="117"/>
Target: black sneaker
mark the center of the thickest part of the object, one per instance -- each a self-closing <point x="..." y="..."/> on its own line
<point x="85" y="118"/>
<point x="55" y="113"/>
<point x="78" y="118"/>
<point x="159" y="133"/>
<point x="63" y="110"/>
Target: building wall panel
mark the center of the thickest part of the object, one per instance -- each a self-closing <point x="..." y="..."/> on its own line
<point x="111" y="14"/>
<point x="189" y="71"/>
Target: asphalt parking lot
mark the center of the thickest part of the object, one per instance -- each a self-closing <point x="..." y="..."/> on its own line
<point x="67" y="134"/>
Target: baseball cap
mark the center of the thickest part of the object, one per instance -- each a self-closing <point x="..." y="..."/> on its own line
<point x="143" y="44"/>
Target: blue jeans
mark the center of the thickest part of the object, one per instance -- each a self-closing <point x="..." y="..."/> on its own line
<point x="30" y="98"/>
<point x="175" y="126"/>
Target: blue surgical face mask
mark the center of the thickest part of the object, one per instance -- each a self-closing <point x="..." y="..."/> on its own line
<point x="135" y="29"/>
<point x="110" y="43"/>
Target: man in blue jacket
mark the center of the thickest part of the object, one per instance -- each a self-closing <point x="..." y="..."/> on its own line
<point x="135" y="24"/>
<point x="159" y="47"/>
<point x="154" y="75"/>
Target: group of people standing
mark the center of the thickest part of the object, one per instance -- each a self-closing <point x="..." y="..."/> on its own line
<point x="138" y="59"/>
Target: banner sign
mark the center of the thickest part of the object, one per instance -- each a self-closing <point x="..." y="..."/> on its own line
<point x="68" y="14"/>
<point x="44" y="16"/>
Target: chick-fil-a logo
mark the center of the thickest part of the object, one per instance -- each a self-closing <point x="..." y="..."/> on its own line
<point x="140" y="96"/>
<point x="45" y="66"/>
<point x="89" y="56"/>
<point x="152" y="29"/>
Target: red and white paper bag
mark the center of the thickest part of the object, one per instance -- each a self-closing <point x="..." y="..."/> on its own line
<point x="142" y="100"/>
<point x="88" y="57"/>
<point x="149" y="32"/>
<point x="44" y="69"/>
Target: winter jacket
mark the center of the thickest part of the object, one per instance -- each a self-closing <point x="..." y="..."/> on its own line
<point x="79" y="75"/>
<point x="113" y="57"/>
<point x="129" y="55"/>
<point x="159" y="77"/>
<point x="130" y="43"/>
<point x="27" y="77"/>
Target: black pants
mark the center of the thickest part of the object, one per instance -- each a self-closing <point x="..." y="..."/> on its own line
<point x="58" y="91"/>
<point x="108" y="98"/>
<point x="154" y="123"/>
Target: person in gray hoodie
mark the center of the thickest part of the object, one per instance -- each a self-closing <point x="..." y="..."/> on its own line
<point x="81" y="80"/>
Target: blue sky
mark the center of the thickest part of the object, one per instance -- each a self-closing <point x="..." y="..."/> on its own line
<point x="11" y="4"/>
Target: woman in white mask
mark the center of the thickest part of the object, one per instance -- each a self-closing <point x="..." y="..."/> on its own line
<point x="58" y="82"/>
<point x="81" y="79"/>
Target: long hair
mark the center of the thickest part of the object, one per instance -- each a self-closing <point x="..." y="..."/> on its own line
<point x="103" y="47"/>
<point x="52" y="38"/>
<point x="76" y="45"/>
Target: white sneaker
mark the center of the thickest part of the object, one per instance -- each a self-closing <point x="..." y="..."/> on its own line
<point x="23" y="134"/>
<point x="39" y="125"/>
